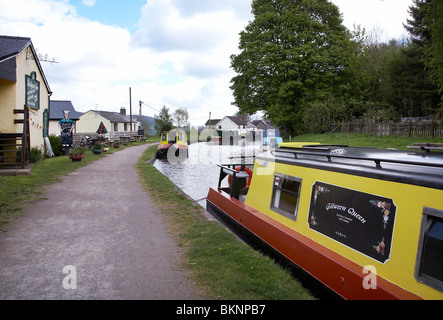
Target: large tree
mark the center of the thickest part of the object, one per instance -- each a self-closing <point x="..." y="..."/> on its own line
<point x="293" y="53"/>
<point x="434" y="50"/>
<point x="181" y="118"/>
<point x="163" y="121"/>
<point x="425" y="27"/>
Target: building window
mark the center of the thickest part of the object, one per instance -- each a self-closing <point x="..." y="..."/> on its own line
<point x="126" y="127"/>
<point x="285" y="195"/>
<point x="429" y="267"/>
<point x="116" y="127"/>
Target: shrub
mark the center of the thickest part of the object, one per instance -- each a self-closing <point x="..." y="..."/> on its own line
<point x="56" y="145"/>
<point x="36" y="154"/>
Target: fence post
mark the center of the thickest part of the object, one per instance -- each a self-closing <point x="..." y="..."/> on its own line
<point x="410" y="129"/>
<point x="433" y="130"/>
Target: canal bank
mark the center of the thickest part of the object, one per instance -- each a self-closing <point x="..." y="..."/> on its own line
<point x="228" y="268"/>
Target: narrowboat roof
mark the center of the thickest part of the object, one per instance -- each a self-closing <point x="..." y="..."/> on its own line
<point x="423" y="167"/>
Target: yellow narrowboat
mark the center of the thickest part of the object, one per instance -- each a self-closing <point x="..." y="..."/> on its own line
<point x="366" y="223"/>
<point x="172" y="143"/>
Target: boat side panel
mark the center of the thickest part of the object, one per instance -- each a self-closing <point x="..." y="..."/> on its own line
<point x="334" y="271"/>
<point x="408" y="199"/>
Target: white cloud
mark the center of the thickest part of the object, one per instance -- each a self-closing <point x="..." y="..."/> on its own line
<point x="179" y="57"/>
<point x="89" y="3"/>
<point x="385" y="16"/>
<point x="199" y="38"/>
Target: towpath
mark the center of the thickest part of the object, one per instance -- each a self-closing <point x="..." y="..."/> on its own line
<point x="96" y="235"/>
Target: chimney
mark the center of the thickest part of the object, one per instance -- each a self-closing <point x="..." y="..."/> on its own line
<point x="123" y="111"/>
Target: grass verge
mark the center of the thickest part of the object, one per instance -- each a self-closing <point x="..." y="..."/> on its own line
<point x="364" y="140"/>
<point x="222" y="265"/>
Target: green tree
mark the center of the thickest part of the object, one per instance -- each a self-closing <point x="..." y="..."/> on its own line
<point x="181" y="118"/>
<point x="414" y="94"/>
<point x="163" y="121"/>
<point x="416" y="27"/>
<point x="434" y="50"/>
<point x="426" y="31"/>
<point x="293" y="53"/>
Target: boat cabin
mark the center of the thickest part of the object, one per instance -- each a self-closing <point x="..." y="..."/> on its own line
<point x="367" y="223"/>
<point x="175" y="139"/>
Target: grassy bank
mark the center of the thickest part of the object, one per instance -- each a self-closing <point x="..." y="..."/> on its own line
<point x="364" y="140"/>
<point x="223" y="266"/>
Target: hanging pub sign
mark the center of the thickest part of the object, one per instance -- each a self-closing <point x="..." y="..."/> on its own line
<point x="45" y="123"/>
<point x="361" y="221"/>
<point x="32" y="91"/>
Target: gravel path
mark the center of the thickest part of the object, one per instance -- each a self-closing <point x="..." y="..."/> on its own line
<point x="96" y="236"/>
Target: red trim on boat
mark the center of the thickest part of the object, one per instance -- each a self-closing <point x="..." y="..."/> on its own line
<point x="163" y="146"/>
<point x="333" y="270"/>
<point x="181" y="146"/>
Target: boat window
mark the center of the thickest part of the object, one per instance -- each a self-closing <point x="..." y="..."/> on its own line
<point x="429" y="269"/>
<point x="285" y="195"/>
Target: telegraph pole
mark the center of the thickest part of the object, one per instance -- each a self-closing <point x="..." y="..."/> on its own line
<point x="130" y="106"/>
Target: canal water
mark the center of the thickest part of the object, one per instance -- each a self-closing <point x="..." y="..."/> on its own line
<point x="198" y="172"/>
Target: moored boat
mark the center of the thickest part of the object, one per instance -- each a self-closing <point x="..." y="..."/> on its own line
<point x="366" y="223"/>
<point x="175" y="141"/>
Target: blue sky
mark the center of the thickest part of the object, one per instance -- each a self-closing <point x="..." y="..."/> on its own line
<point x="111" y="12"/>
<point x="170" y="52"/>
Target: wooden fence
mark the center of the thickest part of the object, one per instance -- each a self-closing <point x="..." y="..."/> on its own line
<point x="426" y="129"/>
<point x="112" y="136"/>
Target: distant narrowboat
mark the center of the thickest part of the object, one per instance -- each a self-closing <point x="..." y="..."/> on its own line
<point x="174" y="140"/>
<point x="366" y="223"/>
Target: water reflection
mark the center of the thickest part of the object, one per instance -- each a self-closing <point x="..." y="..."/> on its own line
<point x="197" y="173"/>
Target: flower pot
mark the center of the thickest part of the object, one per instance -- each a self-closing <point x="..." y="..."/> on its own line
<point x="116" y="145"/>
<point x="97" y="151"/>
<point x="76" y="157"/>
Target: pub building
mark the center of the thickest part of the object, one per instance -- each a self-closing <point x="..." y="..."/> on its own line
<point x="24" y="101"/>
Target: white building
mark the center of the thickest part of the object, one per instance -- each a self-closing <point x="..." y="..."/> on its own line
<point x="232" y="123"/>
<point x="113" y="122"/>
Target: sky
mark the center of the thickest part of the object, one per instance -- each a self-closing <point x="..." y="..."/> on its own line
<point x="173" y="53"/>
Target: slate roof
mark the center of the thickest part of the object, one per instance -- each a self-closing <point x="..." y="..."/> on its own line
<point x="57" y="108"/>
<point x="12" y="46"/>
<point x="212" y="122"/>
<point x="263" y="124"/>
<point x="115" y="117"/>
<point x="237" y="120"/>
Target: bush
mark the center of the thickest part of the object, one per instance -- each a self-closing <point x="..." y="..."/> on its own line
<point x="381" y="113"/>
<point x="318" y="115"/>
<point x="56" y="145"/>
<point x="35" y="155"/>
